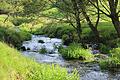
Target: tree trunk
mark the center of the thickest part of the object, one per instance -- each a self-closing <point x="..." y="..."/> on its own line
<point x="92" y="27"/>
<point x="116" y="23"/>
<point x="114" y="15"/>
<point x="79" y="30"/>
<point x="77" y="18"/>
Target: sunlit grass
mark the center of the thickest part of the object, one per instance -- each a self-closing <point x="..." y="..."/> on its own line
<point x="75" y="51"/>
<point x="13" y="66"/>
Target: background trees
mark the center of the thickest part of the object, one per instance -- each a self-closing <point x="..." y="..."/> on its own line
<point x="75" y="12"/>
<point x="110" y="8"/>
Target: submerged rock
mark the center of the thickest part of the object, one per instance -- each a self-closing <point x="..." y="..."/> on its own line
<point x="41" y="41"/>
<point x="23" y="48"/>
<point x="28" y="48"/>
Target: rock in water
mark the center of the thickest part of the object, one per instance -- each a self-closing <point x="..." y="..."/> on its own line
<point x="23" y="48"/>
<point x="41" y="41"/>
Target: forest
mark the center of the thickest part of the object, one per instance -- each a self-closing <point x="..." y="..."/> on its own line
<point x="59" y="39"/>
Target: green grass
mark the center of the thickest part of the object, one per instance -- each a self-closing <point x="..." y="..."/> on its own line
<point x="11" y="36"/>
<point x="13" y="66"/>
<point x="75" y="51"/>
<point x="113" y="61"/>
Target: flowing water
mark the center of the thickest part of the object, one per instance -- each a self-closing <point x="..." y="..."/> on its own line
<point x="87" y="71"/>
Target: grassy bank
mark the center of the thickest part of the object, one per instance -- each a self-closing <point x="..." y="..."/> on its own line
<point x="13" y="66"/>
<point x="11" y="33"/>
<point x="13" y="37"/>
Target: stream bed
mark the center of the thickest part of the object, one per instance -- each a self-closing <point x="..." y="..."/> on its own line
<point x="87" y="71"/>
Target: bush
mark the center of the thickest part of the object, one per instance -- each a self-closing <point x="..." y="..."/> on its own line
<point x="104" y="49"/>
<point x="14" y="66"/>
<point x="20" y="20"/>
<point x="75" y="51"/>
<point x="113" y="61"/>
<point x="115" y="55"/>
<point x="13" y="37"/>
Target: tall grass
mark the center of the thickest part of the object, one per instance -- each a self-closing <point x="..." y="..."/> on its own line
<point x="75" y="51"/>
<point x="13" y="66"/>
<point x="113" y="61"/>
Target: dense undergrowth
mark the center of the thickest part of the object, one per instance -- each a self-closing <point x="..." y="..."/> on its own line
<point x="13" y="66"/>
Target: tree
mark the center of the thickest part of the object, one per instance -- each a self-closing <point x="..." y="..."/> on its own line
<point x="110" y="8"/>
<point x="71" y="11"/>
<point x="83" y="8"/>
<point x="75" y="11"/>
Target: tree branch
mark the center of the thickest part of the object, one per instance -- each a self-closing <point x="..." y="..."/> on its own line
<point x="104" y="6"/>
<point x="99" y="8"/>
<point x="98" y="17"/>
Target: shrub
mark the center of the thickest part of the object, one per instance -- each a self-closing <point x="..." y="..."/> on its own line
<point x="113" y="61"/>
<point x="20" y="20"/>
<point x="13" y="37"/>
<point x="66" y="39"/>
<point x="75" y="51"/>
<point x="104" y="49"/>
<point x="115" y="55"/>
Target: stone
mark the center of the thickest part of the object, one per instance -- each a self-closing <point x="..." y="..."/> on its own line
<point x="23" y="48"/>
<point x="41" y="41"/>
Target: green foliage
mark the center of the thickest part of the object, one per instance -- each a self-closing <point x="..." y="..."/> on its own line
<point x="33" y="7"/>
<point x="75" y="51"/>
<point x="104" y="49"/>
<point x="65" y="37"/>
<point x="20" y="20"/>
<point x="53" y="12"/>
<point x="104" y="64"/>
<point x="115" y="43"/>
<point x="13" y="37"/>
<point x="63" y="31"/>
<point x="43" y="51"/>
<point x="115" y="55"/>
<point x="14" y="66"/>
<point x="113" y="61"/>
<point x="68" y="34"/>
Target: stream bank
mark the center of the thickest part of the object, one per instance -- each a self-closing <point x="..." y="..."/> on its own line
<point x="87" y="71"/>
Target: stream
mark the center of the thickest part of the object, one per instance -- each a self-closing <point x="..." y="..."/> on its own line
<point x="87" y="71"/>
